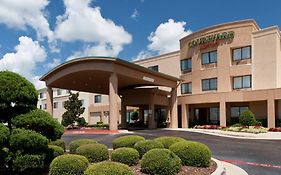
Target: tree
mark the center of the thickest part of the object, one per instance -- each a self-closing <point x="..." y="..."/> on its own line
<point x="17" y="96"/>
<point x="73" y="108"/>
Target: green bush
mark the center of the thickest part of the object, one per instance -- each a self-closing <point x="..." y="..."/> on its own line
<point x="93" y="152"/>
<point x="28" y="164"/>
<point x="236" y="125"/>
<point x="41" y="122"/>
<point x="4" y="158"/>
<point x="167" y="141"/>
<point x="54" y="151"/>
<point x="108" y="168"/>
<point x="128" y="156"/>
<point x="192" y="153"/>
<point x="69" y="164"/>
<point x="126" y="141"/>
<point x="160" y="161"/>
<point x="59" y="143"/>
<point x="4" y="136"/>
<point x="145" y="145"/>
<point x="76" y="143"/>
<point x="28" y="142"/>
<point x="247" y="118"/>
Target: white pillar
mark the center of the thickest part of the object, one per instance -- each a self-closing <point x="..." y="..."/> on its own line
<point x="271" y="113"/>
<point x="151" y="114"/>
<point x="222" y="113"/>
<point x="184" y="115"/>
<point x="113" y="102"/>
<point x="49" y="99"/>
<point x="174" y="108"/>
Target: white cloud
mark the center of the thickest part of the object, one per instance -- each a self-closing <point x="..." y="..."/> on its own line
<point x="167" y="35"/>
<point x="21" y="14"/>
<point x="135" y="14"/>
<point x="84" y="23"/>
<point x="54" y="63"/>
<point x="27" y="55"/>
<point x="142" y="55"/>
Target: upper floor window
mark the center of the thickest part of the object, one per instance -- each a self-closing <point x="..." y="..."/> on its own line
<point x="241" y="53"/>
<point x="97" y="98"/>
<point x="59" y="92"/>
<point x="67" y="91"/>
<point x="186" y="88"/>
<point x="242" y="82"/>
<point x="154" y="68"/>
<point x="55" y="105"/>
<point x="41" y="95"/>
<point x="209" y="57"/>
<point x="209" y="84"/>
<point x="186" y="65"/>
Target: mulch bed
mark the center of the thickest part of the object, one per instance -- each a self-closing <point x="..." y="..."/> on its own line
<point x="184" y="170"/>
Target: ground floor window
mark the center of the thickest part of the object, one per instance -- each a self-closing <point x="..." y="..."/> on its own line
<point x="204" y="116"/>
<point x="236" y="111"/>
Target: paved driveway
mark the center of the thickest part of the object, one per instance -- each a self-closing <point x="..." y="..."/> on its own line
<point x="257" y="157"/>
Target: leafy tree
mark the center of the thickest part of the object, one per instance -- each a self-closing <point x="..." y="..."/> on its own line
<point x="17" y="96"/>
<point x="247" y="118"/>
<point x="135" y="115"/>
<point x="73" y="108"/>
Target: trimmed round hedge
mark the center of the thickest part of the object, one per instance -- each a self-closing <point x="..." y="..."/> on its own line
<point x="167" y="141"/>
<point x="108" y="168"/>
<point x="160" y="161"/>
<point x="69" y="164"/>
<point x="93" y="152"/>
<point x="76" y="143"/>
<point x="59" y="143"/>
<point x="4" y="136"/>
<point x="126" y="141"/>
<point x="145" y="145"/>
<point x="56" y="150"/>
<point x="128" y="156"/>
<point x="192" y="153"/>
<point x="28" y="164"/>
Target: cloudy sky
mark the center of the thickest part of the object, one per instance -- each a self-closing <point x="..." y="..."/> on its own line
<point x="37" y="35"/>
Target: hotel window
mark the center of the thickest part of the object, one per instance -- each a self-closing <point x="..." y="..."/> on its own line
<point x="154" y="68"/>
<point x="209" y="57"/>
<point x="97" y="98"/>
<point x="241" y="53"/>
<point x="186" y="88"/>
<point x="41" y="95"/>
<point x="186" y="65"/>
<point x="59" y="92"/>
<point x="83" y="103"/>
<point x="237" y="111"/>
<point x="209" y="84"/>
<point x="67" y="91"/>
<point x="214" y="115"/>
<point x="55" y="105"/>
<point x="45" y="106"/>
<point x="242" y="82"/>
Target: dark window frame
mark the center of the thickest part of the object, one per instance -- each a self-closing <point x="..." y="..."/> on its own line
<point x="209" y="79"/>
<point x="209" y="58"/>
<point x="97" y="99"/>
<point x="239" y="109"/>
<point x="241" y="48"/>
<point x="154" y="68"/>
<point x="242" y="82"/>
<point x="59" y="92"/>
<point x="189" y="89"/>
<point x="188" y="69"/>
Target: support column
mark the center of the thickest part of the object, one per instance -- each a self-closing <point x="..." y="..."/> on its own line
<point x="222" y="113"/>
<point x="174" y="109"/>
<point x="113" y="103"/>
<point x="151" y="114"/>
<point x="49" y="98"/>
<point x="271" y="113"/>
<point x="184" y="115"/>
<point x="123" y="114"/>
<point x="141" y="114"/>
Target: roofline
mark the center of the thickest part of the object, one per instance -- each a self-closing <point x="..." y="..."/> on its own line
<point x="112" y="59"/>
<point x="220" y="25"/>
<point x="157" y="56"/>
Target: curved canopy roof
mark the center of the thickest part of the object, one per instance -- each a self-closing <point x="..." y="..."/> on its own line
<point x="91" y="74"/>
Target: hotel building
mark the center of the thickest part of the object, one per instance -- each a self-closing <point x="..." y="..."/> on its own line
<point x="222" y="70"/>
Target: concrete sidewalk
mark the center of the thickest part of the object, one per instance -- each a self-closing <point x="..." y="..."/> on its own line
<point x="225" y="168"/>
<point x="231" y="134"/>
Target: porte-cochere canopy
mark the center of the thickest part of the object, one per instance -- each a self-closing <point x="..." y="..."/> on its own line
<point x="106" y="75"/>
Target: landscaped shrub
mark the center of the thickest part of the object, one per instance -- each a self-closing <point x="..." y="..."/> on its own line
<point x="247" y="118"/>
<point x="126" y="141"/>
<point x="28" y="142"/>
<point x="192" y="153"/>
<point x="128" y="156"/>
<point x="160" y="161"/>
<point x="69" y="165"/>
<point x="4" y="136"/>
<point x="167" y="141"/>
<point x="55" y="151"/>
<point x="93" y="152"/>
<point x="145" y="145"/>
<point x="41" y="122"/>
<point x="59" y="143"/>
<point x="4" y="157"/>
<point x="236" y="125"/>
<point x="108" y="168"/>
<point x="28" y="164"/>
<point x="76" y="143"/>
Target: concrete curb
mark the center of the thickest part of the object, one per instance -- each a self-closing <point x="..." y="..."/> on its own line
<point x="225" y="168"/>
<point x="220" y="168"/>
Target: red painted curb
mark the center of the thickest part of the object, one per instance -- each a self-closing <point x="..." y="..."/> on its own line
<point x="90" y="131"/>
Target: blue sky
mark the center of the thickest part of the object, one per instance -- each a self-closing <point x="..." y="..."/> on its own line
<point x="36" y="35"/>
